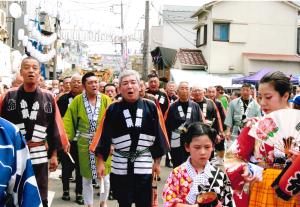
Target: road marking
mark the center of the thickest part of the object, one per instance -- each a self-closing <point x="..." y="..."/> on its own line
<point x="50" y="197"/>
<point x="55" y="174"/>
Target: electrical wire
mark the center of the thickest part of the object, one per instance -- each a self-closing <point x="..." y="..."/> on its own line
<point x="192" y="43"/>
<point x="178" y="32"/>
<point x="168" y="20"/>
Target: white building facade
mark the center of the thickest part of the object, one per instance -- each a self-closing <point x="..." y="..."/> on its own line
<point x="176" y="29"/>
<point x="246" y="36"/>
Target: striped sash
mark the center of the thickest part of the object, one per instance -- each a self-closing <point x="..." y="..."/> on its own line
<point x="93" y="117"/>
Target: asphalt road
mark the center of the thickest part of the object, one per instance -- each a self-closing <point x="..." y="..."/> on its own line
<point x="55" y="190"/>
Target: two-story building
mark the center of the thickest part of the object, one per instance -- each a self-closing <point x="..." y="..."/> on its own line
<point x="175" y="31"/>
<point x="174" y="51"/>
<point x="246" y="36"/>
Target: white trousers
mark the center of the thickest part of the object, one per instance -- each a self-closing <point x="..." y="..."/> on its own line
<point x="87" y="191"/>
<point x="106" y="187"/>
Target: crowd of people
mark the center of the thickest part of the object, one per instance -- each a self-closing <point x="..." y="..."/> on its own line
<point x="115" y="135"/>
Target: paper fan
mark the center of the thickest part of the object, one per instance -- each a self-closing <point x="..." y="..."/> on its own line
<point x="280" y="129"/>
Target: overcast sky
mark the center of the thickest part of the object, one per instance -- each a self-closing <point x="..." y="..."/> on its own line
<point x="104" y="16"/>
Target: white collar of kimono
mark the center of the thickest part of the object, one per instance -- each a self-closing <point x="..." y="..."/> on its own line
<point x="200" y="179"/>
<point x="200" y="176"/>
<point x="242" y="106"/>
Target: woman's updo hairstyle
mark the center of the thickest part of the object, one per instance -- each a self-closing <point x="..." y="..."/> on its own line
<point x="198" y="129"/>
<point x="279" y="80"/>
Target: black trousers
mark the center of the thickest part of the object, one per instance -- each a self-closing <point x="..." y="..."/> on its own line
<point x="41" y="175"/>
<point x="68" y="167"/>
<point x="220" y="146"/>
<point x="179" y="156"/>
<point x="168" y="161"/>
<point x="129" y="189"/>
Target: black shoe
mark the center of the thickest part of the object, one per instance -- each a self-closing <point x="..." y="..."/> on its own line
<point x="66" y="196"/>
<point x="110" y="196"/>
<point x="95" y="184"/>
<point x="79" y="200"/>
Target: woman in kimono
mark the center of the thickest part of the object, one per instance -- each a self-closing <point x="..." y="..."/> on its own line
<point x="197" y="175"/>
<point x="274" y="91"/>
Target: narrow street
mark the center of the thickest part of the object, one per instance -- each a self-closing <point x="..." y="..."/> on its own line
<point x="55" y="190"/>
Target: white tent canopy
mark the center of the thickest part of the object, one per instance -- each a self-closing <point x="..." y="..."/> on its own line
<point x="202" y="78"/>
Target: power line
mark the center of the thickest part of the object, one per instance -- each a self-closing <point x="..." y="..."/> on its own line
<point x="178" y="32"/>
<point x="169" y="20"/>
<point x="182" y="35"/>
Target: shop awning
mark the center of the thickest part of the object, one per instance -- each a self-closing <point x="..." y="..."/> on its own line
<point x="202" y="78"/>
<point x="163" y="57"/>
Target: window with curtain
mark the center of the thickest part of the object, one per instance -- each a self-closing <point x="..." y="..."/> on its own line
<point x="221" y="32"/>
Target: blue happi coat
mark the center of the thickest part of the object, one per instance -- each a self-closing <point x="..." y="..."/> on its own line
<point x="16" y="173"/>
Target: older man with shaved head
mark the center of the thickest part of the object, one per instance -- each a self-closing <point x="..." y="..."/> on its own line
<point x="208" y="107"/>
<point x="181" y="113"/>
<point x="67" y="166"/>
<point x="171" y="91"/>
<point x="211" y="113"/>
<point x="220" y="147"/>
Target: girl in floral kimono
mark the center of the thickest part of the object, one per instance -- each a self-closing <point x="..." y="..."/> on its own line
<point x="197" y="175"/>
<point x="274" y="91"/>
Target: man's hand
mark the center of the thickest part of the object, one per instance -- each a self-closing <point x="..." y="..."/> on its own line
<point x="100" y="167"/>
<point x="228" y="135"/>
<point x="156" y="167"/>
<point x="66" y="147"/>
<point x="53" y="163"/>
<point x="219" y="137"/>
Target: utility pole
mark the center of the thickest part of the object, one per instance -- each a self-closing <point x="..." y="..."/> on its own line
<point x="146" y="41"/>
<point x="55" y="46"/>
<point x="122" y="28"/>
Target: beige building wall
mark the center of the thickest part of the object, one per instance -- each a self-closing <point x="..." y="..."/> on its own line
<point x="256" y="27"/>
<point x="287" y="67"/>
<point x="179" y="35"/>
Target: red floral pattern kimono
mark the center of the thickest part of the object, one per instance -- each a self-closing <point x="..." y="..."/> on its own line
<point x="179" y="184"/>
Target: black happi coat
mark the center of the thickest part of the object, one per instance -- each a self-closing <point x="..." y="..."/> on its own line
<point x="44" y="128"/>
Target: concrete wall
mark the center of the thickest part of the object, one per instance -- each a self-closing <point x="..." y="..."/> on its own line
<point x="179" y="35"/>
<point x="255" y="27"/>
<point x="253" y="66"/>
<point x="156" y="37"/>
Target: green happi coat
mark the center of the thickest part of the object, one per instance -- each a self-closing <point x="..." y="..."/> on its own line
<point x="77" y="126"/>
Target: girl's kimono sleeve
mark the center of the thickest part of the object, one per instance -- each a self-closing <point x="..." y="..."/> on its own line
<point x="171" y="194"/>
<point x="237" y="157"/>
